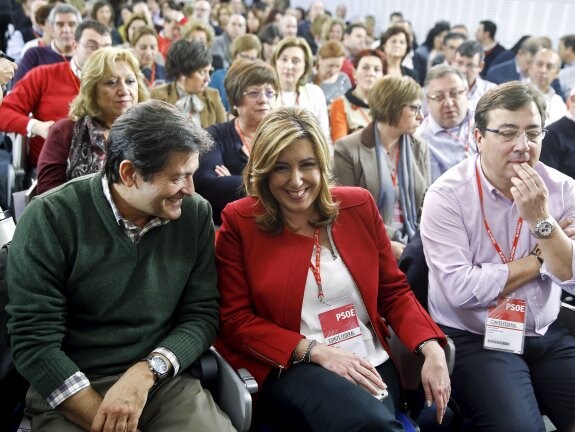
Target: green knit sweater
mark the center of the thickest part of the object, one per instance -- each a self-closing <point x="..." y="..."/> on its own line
<point x="83" y="297"/>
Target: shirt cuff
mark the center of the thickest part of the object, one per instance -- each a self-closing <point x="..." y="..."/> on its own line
<point x="29" y="126"/>
<point x="170" y="356"/>
<point x="70" y="387"/>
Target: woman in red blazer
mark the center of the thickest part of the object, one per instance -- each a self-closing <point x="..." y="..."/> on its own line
<point x="308" y="287"/>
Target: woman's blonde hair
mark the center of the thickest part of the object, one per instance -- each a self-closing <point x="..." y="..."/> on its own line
<point x="277" y="131"/>
<point x="100" y="67"/>
<point x="299" y="42"/>
<point x="389" y="95"/>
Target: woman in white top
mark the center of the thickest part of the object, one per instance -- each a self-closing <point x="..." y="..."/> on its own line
<point x="293" y="62"/>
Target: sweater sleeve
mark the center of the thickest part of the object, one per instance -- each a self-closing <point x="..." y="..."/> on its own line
<point x="338" y="120"/>
<point x="53" y="158"/>
<point x="19" y="103"/>
<point x="551" y="151"/>
<point x="197" y="314"/>
<point x="27" y="63"/>
<point x="37" y="308"/>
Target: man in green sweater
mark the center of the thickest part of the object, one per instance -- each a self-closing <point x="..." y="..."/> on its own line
<point x="112" y="287"/>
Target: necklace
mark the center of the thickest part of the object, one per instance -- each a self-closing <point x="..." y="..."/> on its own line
<point x="245" y="146"/>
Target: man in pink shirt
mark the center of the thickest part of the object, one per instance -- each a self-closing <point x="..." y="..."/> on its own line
<point x="498" y="259"/>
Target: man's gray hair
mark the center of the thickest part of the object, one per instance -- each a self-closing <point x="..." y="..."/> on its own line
<point x="64" y="9"/>
<point x="442" y="70"/>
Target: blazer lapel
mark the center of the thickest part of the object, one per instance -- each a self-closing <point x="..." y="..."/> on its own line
<point x="368" y="161"/>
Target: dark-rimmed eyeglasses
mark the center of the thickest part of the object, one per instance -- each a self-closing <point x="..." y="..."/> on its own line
<point x="452" y="95"/>
<point x="509" y="135"/>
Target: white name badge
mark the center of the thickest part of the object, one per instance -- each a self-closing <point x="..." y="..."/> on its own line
<point x="505" y="326"/>
<point x="341" y="328"/>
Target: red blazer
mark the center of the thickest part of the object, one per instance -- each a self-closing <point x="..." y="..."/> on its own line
<point x="262" y="278"/>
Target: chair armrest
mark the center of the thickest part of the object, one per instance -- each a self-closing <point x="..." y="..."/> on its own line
<point x="234" y="392"/>
<point x="450" y="354"/>
<point x="409" y="364"/>
<point x="567" y="315"/>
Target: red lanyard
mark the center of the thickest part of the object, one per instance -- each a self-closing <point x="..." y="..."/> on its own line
<point x="466" y="142"/>
<point x="490" y="233"/>
<point x="245" y="147"/>
<point x="152" y="77"/>
<point x="315" y="269"/>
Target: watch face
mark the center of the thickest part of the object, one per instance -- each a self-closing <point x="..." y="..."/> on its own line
<point x="544" y="229"/>
<point x="159" y="365"/>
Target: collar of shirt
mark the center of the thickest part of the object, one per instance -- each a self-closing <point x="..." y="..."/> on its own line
<point x="75" y="69"/>
<point x="435" y="128"/>
<point x="522" y="77"/>
<point x="570" y="116"/>
<point x="133" y="231"/>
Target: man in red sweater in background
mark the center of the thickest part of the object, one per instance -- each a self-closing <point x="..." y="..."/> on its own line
<point x="46" y="91"/>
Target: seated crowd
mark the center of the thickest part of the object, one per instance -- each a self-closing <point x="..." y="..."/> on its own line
<point x="251" y="178"/>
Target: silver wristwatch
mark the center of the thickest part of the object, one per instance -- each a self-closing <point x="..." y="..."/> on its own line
<point x="544" y="228"/>
<point x="159" y="367"/>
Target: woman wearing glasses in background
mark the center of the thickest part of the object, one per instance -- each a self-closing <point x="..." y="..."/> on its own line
<point x="387" y="160"/>
<point x="251" y="87"/>
<point x="189" y="64"/>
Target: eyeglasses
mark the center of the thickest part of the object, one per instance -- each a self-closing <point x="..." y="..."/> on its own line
<point x="416" y="109"/>
<point x="255" y="94"/>
<point x="441" y="97"/>
<point x="93" y="46"/>
<point x="512" y="135"/>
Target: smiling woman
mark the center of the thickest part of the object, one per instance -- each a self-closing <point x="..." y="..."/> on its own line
<point x="111" y="84"/>
<point x="251" y="87"/>
<point x="297" y="258"/>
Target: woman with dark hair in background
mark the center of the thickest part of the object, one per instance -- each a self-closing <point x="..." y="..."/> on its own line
<point x="424" y="54"/>
<point x="189" y="64"/>
<point x="269" y="37"/>
<point x="103" y="12"/>
<point x="395" y="45"/>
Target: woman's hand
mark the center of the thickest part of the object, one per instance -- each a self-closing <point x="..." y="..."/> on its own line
<point x="435" y="378"/>
<point x="397" y="249"/>
<point x="222" y="171"/>
<point x="353" y="368"/>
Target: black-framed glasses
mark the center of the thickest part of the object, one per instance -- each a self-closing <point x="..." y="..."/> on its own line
<point x="452" y="95"/>
<point x="509" y="135"/>
<point x="255" y="94"/>
<point x="416" y="109"/>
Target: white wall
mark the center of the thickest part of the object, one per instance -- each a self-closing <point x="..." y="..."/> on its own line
<point x="514" y="18"/>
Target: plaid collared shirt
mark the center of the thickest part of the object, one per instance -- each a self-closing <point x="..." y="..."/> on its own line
<point x="78" y="380"/>
<point x="130" y="228"/>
